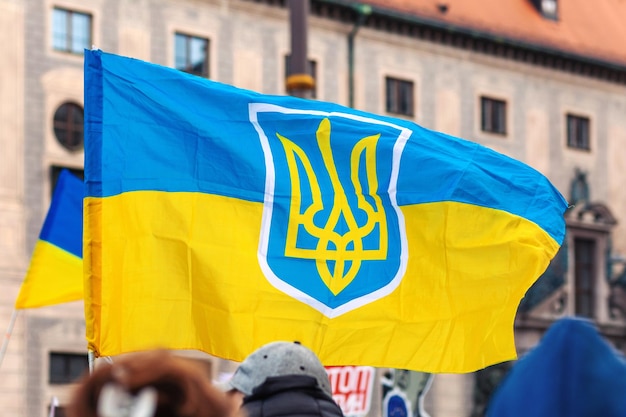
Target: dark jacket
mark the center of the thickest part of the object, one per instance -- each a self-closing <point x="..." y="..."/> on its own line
<point x="290" y="396"/>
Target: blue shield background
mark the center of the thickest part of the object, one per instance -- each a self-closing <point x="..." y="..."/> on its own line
<point x="302" y="274"/>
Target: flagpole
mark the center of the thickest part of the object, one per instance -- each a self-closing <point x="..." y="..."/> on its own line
<point x="91" y="357"/>
<point x="7" y="336"/>
<point x="54" y="403"/>
<point x="299" y="82"/>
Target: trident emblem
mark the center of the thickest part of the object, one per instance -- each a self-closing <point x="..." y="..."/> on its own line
<point x="345" y="250"/>
<point x="332" y="234"/>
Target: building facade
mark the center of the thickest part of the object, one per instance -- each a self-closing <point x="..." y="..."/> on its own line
<point x="541" y="81"/>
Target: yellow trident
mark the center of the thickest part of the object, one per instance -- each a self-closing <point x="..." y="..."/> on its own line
<point x="331" y="245"/>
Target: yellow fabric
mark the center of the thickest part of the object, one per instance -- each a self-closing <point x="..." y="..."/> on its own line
<point x="182" y="273"/>
<point x="54" y="276"/>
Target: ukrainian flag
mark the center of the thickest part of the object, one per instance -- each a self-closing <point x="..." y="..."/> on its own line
<point x="55" y="274"/>
<point x="221" y="219"/>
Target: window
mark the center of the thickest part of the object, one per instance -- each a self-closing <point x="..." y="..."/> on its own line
<point x="493" y="115"/>
<point x="399" y="96"/>
<point x="71" y="31"/>
<point x="59" y="411"/>
<point x="191" y="54"/>
<point x="584" y="271"/>
<point x="312" y="70"/>
<point x="68" y="126"/>
<point x="578" y="132"/>
<point x="66" y="368"/>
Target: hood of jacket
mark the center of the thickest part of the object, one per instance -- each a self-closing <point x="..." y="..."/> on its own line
<point x="290" y="395"/>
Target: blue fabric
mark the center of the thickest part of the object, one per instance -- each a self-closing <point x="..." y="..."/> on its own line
<point x="63" y="226"/>
<point x="573" y="372"/>
<point x="192" y="134"/>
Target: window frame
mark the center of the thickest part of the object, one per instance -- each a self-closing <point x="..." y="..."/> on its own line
<point x="578" y="131"/>
<point x="68" y="376"/>
<point x="189" y="38"/>
<point x="69" y="126"/>
<point x="69" y="31"/>
<point x="579" y="227"/>
<point x="585" y="272"/>
<point x="393" y="102"/>
<point x="493" y="115"/>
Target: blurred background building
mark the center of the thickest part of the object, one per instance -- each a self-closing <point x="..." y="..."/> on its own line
<point x="543" y="81"/>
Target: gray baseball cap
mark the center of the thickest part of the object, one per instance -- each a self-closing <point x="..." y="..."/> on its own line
<point x="278" y="359"/>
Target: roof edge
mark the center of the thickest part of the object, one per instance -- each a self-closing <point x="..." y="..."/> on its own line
<point x="479" y="34"/>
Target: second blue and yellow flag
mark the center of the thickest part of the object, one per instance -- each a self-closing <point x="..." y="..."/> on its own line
<point x="221" y="219"/>
<point x="56" y="267"/>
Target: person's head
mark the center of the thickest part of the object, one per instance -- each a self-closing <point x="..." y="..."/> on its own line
<point x="278" y="359"/>
<point x="149" y="384"/>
